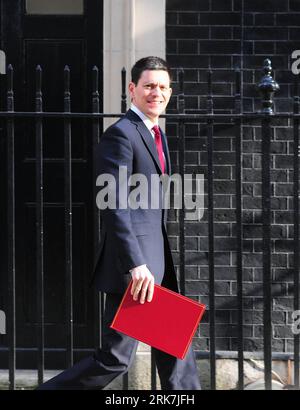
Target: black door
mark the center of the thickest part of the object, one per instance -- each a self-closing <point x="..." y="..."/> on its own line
<point x="53" y="34"/>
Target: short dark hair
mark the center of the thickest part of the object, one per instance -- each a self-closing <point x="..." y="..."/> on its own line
<point x="148" y="63"/>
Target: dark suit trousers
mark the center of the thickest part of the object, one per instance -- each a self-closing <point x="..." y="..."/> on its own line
<point x="115" y="357"/>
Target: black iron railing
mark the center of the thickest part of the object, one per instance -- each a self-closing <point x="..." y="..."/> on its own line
<point x="267" y="87"/>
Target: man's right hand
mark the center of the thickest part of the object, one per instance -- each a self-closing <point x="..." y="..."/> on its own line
<point x="143" y="283"/>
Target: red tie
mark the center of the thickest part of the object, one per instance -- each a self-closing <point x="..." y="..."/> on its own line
<point x="159" y="147"/>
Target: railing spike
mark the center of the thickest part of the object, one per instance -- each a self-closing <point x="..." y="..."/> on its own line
<point x="267" y="87"/>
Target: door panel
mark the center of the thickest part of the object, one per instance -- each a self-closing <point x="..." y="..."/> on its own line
<point x="53" y="56"/>
<point x="52" y="41"/>
<point x="56" y="7"/>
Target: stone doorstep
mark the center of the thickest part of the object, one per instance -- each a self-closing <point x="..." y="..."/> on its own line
<point x="27" y="379"/>
<point x="140" y="375"/>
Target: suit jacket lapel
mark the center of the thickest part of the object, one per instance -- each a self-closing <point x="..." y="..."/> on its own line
<point x="146" y="136"/>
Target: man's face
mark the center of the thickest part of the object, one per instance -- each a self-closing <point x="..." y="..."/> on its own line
<point x="152" y="93"/>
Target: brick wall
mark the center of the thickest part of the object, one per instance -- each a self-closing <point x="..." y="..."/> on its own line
<point x="209" y="32"/>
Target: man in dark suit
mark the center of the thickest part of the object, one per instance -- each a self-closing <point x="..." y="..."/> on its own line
<point x="134" y="243"/>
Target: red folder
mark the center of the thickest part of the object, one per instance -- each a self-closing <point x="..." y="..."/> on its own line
<point x="167" y="323"/>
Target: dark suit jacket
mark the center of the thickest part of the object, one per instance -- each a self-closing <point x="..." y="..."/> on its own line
<point x="132" y="237"/>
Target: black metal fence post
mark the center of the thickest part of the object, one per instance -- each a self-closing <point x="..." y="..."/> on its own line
<point x="98" y="301"/>
<point x="68" y="218"/>
<point x="11" y="233"/>
<point x="210" y="210"/>
<point x="239" y="227"/>
<point x="267" y="87"/>
<point x="181" y="153"/>
<point x="39" y="225"/>
<point x="123" y="110"/>
<point x="96" y="139"/>
<point x="123" y="96"/>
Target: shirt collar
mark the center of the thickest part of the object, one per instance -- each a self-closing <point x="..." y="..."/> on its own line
<point x="149" y="124"/>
